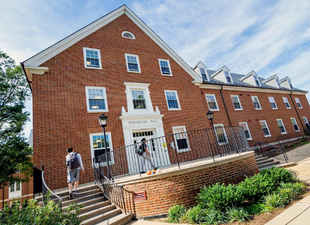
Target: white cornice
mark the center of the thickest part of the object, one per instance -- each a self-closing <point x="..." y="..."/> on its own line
<point x="36" y="70"/>
<point x="141" y="117"/>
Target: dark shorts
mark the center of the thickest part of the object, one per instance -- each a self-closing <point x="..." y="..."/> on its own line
<point x="73" y="175"/>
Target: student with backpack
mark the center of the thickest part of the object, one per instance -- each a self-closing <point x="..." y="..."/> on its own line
<point x="143" y="151"/>
<point x="74" y="164"/>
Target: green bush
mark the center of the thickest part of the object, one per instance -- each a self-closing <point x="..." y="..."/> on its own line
<point x="34" y="214"/>
<point x="273" y="201"/>
<point x="237" y="214"/>
<point x="175" y="213"/>
<point x="219" y="196"/>
<point x="254" y="209"/>
<point x="278" y="175"/>
<point x="213" y="216"/>
<point x="195" y="215"/>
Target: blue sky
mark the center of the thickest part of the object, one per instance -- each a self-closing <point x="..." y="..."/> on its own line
<point x="270" y="37"/>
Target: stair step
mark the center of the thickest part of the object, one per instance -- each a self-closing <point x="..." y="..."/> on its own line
<point x="97" y="212"/>
<point x="91" y="203"/>
<point x="93" y="206"/>
<point x="81" y="194"/>
<point x="284" y="165"/>
<point x="101" y="217"/>
<point x="261" y="158"/>
<point x="82" y="199"/>
<point x="120" y="219"/>
<point x="268" y="164"/>
<point x="264" y="161"/>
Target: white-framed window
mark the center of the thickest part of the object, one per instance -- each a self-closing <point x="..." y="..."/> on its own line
<point x="265" y="128"/>
<point x="256" y="102"/>
<point x="212" y="103"/>
<point x="256" y="80"/>
<point x="172" y="100"/>
<point x="15" y="189"/>
<point x="286" y="103"/>
<point x="272" y="103"/>
<point x="97" y="145"/>
<point x="298" y="103"/>
<point x="165" y="68"/>
<point x="220" y="133"/>
<point x="227" y="76"/>
<point x="295" y="125"/>
<point x="92" y="58"/>
<point x="203" y="74"/>
<point x="246" y="129"/>
<point x="236" y="102"/>
<point x="281" y="126"/>
<point x="96" y="99"/>
<point x="138" y="99"/>
<point x="132" y="62"/>
<point x="127" y="34"/>
<point x="180" y="137"/>
<point x="306" y="122"/>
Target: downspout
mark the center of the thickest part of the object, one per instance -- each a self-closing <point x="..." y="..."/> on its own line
<point x="296" y="111"/>
<point x="225" y="105"/>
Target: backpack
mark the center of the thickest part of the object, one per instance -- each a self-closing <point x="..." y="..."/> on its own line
<point x="73" y="162"/>
<point x="139" y="151"/>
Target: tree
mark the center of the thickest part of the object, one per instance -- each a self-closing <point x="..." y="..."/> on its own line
<point x="15" y="153"/>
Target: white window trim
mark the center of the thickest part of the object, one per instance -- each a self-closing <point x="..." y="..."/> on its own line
<point x="175" y="140"/>
<point x="238" y="100"/>
<point x="266" y="127"/>
<point x="99" y="57"/>
<point x="287" y="102"/>
<point x="93" y="150"/>
<point x="304" y="120"/>
<point x="274" y="102"/>
<point x="176" y="94"/>
<point x="218" y="109"/>
<point x="105" y="98"/>
<point x="138" y="62"/>
<point x="15" y="194"/>
<point x="129" y="33"/>
<point x="258" y="103"/>
<point x="250" y="138"/>
<point x="298" y="102"/>
<point x="258" y="81"/>
<point x="166" y="60"/>
<point x="205" y="72"/>
<point x="296" y="124"/>
<point x="220" y="125"/>
<point x="229" y="76"/>
<point x="282" y="125"/>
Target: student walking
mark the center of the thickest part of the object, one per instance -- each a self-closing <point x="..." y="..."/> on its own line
<point x="145" y="156"/>
<point x="74" y="165"/>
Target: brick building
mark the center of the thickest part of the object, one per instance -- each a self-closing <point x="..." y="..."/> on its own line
<point x="118" y="66"/>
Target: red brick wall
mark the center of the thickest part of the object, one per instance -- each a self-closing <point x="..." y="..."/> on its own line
<point x="166" y="192"/>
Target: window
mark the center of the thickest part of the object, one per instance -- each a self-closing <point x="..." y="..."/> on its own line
<point x="212" y="103"/>
<point x="295" y="125"/>
<point x="165" y="67"/>
<point x="96" y="99"/>
<point x="220" y="134"/>
<point x="15" y="189"/>
<point x="289" y="82"/>
<point x="272" y="103"/>
<point x="265" y="128"/>
<point x="172" y="100"/>
<point x="287" y="104"/>
<point x="138" y="99"/>
<point x="306" y="122"/>
<point x="203" y="74"/>
<point x="133" y="64"/>
<point x="92" y="59"/>
<point x="256" y="102"/>
<point x="256" y="81"/>
<point x="181" y="139"/>
<point x="298" y="103"/>
<point x="127" y="34"/>
<point x="281" y="126"/>
<point x="236" y="102"/>
<point x="228" y="78"/>
<point x="245" y="127"/>
<point x="97" y="144"/>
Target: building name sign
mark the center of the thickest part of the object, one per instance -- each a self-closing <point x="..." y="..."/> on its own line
<point x="142" y="121"/>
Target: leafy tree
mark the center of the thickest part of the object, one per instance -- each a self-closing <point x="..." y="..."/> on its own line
<point x="15" y="153"/>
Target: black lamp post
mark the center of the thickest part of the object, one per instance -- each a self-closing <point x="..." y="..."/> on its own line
<point x="210" y="116"/>
<point x="103" y="123"/>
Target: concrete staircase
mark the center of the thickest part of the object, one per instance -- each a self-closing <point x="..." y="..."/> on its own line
<point x="267" y="163"/>
<point x="96" y="208"/>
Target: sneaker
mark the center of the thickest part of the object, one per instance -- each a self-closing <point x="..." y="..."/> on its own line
<point x="75" y="192"/>
<point x="143" y="172"/>
<point x="70" y="195"/>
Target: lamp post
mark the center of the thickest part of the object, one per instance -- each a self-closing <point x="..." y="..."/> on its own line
<point x="103" y="123"/>
<point x="210" y="116"/>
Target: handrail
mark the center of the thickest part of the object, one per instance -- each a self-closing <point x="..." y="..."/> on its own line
<point x="48" y="194"/>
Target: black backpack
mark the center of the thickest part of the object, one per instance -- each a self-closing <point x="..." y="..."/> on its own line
<point x="73" y="162"/>
<point x="139" y="151"/>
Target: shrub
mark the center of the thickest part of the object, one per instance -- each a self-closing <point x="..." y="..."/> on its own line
<point x="219" y="196"/>
<point x="254" y="209"/>
<point x="175" y="213"/>
<point x="273" y="201"/>
<point x="195" y="215"/>
<point x="237" y="214"/>
<point x="278" y="175"/>
<point x="213" y="216"/>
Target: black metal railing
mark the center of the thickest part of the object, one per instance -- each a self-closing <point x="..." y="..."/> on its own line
<point x="48" y="194"/>
<point x="292" y="137"/>
<point x="120" y="197"/>
<point x="174" y="149"/>
<point x="269" y="150"/>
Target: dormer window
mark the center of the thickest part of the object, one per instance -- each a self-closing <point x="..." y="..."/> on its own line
<point x="278" y="83"/>
<point x="289" y="82"/>
<point x="228" y="79"/>
<point x="203" y="74"/>
<point x="256" y="80"/>
<point x="127" y="34"/>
